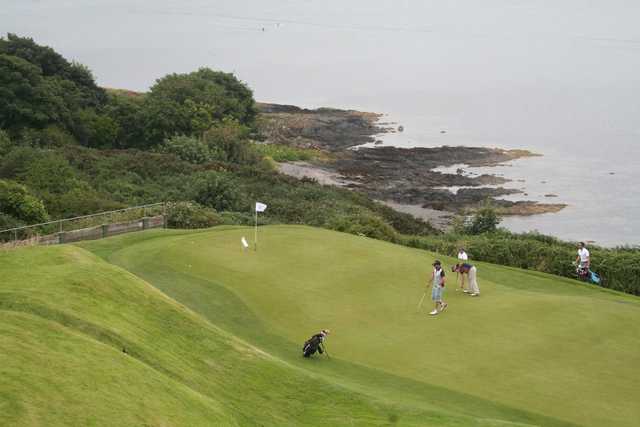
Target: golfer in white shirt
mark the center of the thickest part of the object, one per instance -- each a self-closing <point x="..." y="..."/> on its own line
<point x="583" y="259"/>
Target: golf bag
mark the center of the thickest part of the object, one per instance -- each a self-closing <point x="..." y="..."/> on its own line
<point x="312" y="345"/>
<point x="587" y="275"/>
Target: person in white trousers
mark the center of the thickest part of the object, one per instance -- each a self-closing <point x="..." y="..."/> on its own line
<point x="462" y="258"/>
<point x="471" y="271"/>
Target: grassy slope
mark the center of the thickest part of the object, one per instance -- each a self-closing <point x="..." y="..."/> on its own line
<point x="531" y="344"/>
<point x="66" y="316"/>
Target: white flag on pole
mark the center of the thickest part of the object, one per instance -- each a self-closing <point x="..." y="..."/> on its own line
<point x="245" y="244"/>
<point x="260" y="207"/>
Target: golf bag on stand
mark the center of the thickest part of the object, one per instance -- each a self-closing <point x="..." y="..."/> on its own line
<point x="314" y="344"/>
<point x="311" y="346"/>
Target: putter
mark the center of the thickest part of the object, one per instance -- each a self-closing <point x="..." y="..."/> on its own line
<point x="422" y="299"/>
<point x="324" y="346"/>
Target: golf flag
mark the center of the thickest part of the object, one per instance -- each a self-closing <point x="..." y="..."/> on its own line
<point x="260" y="207"/>
<point x="245" y="244"/>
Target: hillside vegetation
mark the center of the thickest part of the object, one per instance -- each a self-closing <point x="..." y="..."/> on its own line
<point x="69" y="148"/>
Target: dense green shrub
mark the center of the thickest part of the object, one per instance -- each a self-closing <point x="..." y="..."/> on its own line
<point x="50" y="136"/>
<point x="6" y="144"/>
<point x="16" y="201"/>
<point x="187" y="148"/>
<point x="363" y="224"/>
<point x="94" y="129"/>
<point x="50" y="173"/>
<point x="239" y="218"/>
<point x="191" y="215"/>
<point x="484" y="220"/>
<point x="6" y="222"/>
<point x="228" y="142"/>
<point x="17" y="161"/>
<point x="216" y="190"/>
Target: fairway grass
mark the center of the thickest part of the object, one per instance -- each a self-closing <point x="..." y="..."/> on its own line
<point x="176" y="328"/>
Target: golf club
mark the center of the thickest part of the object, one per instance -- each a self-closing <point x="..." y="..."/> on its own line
<point x="421" y="300"/>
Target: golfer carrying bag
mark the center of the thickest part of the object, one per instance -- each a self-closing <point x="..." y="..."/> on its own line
<point x="314" y="344"/>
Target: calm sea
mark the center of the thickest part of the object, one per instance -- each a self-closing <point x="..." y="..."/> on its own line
<point x="559" y="78"/>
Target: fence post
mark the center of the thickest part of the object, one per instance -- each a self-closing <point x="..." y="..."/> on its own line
<point x="145" y="223"/>
<point x="105" y="230"/>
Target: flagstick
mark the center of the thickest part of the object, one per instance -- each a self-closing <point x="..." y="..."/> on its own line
<point x="255" y="246"/>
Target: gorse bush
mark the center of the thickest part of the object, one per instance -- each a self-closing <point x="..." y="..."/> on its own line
<point x="191" y="215"/>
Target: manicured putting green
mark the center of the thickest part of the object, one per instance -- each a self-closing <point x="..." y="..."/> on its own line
<point x="531" y="346"/>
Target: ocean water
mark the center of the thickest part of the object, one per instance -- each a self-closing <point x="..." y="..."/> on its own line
<point x="558" y="78"/>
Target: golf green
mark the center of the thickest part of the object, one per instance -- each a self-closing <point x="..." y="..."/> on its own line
<point x="185" y="328"/>
<point x="531" y="342"/>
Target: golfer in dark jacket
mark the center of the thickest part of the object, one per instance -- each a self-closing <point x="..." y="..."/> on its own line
<point x="471" y="270"/>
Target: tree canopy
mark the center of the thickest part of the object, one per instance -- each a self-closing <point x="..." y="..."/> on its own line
<point x="190" y="104"/>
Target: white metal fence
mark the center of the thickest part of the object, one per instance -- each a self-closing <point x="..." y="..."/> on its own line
<point x="87" y="227"/>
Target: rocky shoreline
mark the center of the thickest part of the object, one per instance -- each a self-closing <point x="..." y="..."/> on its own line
<point x="403" y="178"/>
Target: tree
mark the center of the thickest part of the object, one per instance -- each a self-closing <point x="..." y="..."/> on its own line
<point x="125" y="109"/>
<point x="189" y="104"/>
<point x="25" y="100"/>
<point x="51" y="64"/>
<point x="39" y="88"/>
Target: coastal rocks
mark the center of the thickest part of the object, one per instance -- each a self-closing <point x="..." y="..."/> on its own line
<point x="525" y="208"/>
<point x="402" y="176"/>
<point x="325" y="128"/>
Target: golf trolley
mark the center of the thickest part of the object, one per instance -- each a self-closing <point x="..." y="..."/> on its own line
<point x="586" y="275"/>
